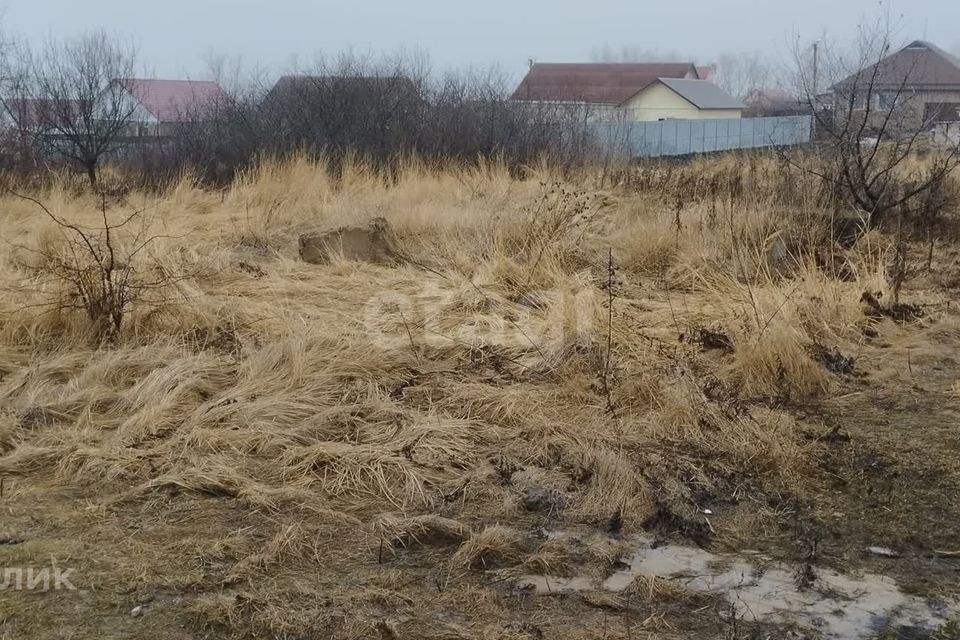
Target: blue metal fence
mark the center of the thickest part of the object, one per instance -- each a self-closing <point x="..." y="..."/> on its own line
<point x="682" y="137"/>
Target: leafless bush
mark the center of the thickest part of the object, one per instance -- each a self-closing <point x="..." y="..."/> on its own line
<point x="382" y="111"/>
<point x="871" y="126"/>
<point x="96" y="267"/>
<point x="67" y="105"/>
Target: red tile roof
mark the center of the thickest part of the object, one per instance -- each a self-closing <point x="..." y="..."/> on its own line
<point x="175" y="100"/>
<point x="598" y="83"/>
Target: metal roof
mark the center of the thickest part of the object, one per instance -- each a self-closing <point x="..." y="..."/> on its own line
<point x="703" y="94"/>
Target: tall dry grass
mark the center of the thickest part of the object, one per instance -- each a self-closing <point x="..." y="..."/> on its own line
<point x="504" y="275"/>
<point x="485" y="368"/>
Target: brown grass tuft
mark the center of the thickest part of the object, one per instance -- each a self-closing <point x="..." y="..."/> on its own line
<point x="420" y="530"/>
<point x="493" y="547"/>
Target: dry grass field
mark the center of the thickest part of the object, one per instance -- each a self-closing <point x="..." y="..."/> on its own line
<point x="276" y="449"/>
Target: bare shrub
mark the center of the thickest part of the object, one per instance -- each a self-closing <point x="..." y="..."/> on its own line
<point x="96" y="266"/>
<point x="871" y="127"/>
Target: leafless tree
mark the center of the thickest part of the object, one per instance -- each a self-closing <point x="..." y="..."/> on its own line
<point x="212" y="135"/>
<point x="472" y="115"/>
<point x="869" y="122"/>
<point x="740" y="73"/>
<point x="64" y="95"/>
<point x="380" y="109"/>
<point x="874" y="151"/>
<point x="348" y="104"/>
<point x="15" y="142"/>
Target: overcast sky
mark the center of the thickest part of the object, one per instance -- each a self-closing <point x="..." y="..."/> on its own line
<point x="174" y="35"/>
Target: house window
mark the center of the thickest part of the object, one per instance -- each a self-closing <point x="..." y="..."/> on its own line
<point x="887" y="100"/>
<point x="877" y="100"/>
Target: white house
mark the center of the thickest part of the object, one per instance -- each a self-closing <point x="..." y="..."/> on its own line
<point x="161" y="107"/>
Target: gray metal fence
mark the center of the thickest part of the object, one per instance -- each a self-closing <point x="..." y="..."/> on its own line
<point x="682" y="137"/>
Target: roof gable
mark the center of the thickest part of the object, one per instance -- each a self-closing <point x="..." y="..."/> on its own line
<point x="595" y="83"/>
<point x="920" y="64"/>
<point x="702" y="94"/>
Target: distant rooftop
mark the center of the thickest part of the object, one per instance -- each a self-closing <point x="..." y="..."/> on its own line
<point x="706" y="72"/>
<point x="295" y="84"/>
<point x="174" y="100"/>
<point x="703" y="94"/>
<point x="918" y="65"/>
<point x="597" y="83"/>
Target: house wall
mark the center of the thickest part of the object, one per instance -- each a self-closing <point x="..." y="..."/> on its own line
<point x="947" y="133"/>
<point x="142" y="123"/>
<point x="659" y="102"/>
<point x="137" y="112"/>
<point x="656" y="102"/>
<point x="909" y="113"/>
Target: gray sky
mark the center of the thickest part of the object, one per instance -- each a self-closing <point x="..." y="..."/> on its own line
<point x="174" y="35"/>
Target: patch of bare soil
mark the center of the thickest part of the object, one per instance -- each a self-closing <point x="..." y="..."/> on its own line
<point x="887" y="494"/>
<point x="891" y="467"/>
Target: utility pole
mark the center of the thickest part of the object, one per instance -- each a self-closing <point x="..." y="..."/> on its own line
<point x="815" y="102"/>
<point x="816" y="52"/>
